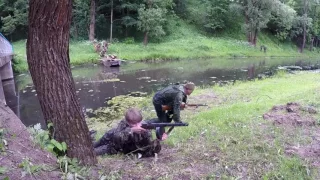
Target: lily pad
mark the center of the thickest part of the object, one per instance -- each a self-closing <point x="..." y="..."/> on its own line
<point x="141" y="78"/>
<point x="112" y="80"/>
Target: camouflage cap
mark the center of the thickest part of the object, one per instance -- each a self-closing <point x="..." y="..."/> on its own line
<point x="133" y="116"/>
<point x="190" y="85"/>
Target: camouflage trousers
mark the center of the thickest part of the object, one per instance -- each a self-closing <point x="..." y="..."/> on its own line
<point x="163" y="116"/>
<point x="105" y="145"/>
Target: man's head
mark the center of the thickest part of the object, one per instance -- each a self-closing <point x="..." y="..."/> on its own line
<point x="133" y="116"/>
<point x="189" y="87"/>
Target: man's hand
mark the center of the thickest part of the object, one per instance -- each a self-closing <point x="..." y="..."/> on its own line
<point x="164" y="137"/>
<point x="182" y="106"/>
<point x="138" y="129"/>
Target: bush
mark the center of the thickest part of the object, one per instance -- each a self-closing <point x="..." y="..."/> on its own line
<point x="129" y="40"/>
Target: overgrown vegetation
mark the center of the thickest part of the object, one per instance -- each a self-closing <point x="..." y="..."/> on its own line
<point x="115" y="108"/>
<point x="3" y="142"/>
<point x="28" y="168"/>
<point x="42" y="138"/>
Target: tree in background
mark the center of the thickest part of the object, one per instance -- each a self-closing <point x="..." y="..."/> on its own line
<point x="257" y="14"/>
<point x="129" y="9"/>
<point x="282" y="20"/>
<point x="13" y="15"/>
<point x="303" y="26"/>
<point x="210" y="15"/>
<point x="80" y="19"/>
<point x="152" y="17"/>
<point x="49" y="64"/>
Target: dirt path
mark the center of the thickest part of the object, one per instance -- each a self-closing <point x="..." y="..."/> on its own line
<point x="293" y="118"/>
<point x="20" y="148"/>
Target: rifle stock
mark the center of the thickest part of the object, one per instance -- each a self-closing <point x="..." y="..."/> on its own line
<point x="155" y="125"/>
<point x="167" y="108"/>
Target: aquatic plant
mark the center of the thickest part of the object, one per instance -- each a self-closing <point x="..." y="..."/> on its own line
<point x="116" y="107"/>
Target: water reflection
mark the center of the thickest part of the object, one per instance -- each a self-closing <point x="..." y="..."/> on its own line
<point x="95" y="85"/>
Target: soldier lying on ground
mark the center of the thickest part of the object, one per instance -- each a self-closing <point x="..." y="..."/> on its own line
<point x="128" y="137"/>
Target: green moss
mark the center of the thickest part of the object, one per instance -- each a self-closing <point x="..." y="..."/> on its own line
<point x="116" y="108"/>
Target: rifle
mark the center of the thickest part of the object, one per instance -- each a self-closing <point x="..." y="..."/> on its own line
<point x="160" y="127"/>
<point x="183" y="105"/>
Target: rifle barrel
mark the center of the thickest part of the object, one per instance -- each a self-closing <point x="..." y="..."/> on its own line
<point x="163" y="124"/>
<point x="196" y="105"/>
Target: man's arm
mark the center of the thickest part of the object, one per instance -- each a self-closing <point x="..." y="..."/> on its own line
<point x="176" y="107"/>
<point x="123" y="132"/>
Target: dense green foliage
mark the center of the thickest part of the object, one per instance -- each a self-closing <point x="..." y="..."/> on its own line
<point x="134" y="20"/>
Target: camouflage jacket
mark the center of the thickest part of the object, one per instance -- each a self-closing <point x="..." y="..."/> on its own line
<point x="122" y="139"/>
<point x="172" y="96"/>
<point x="127" y="141"/>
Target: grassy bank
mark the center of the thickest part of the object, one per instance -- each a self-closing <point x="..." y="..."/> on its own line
<point x="183" y="42"/>
<point x="230" y="139"/>
<point x="81" y="52"/>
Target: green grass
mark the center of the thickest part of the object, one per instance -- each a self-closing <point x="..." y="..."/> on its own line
<point x="81" y="52"/>
<point x="236" y="125"/>
<point x="182" y="42"/>
<point x="232" y="137"/>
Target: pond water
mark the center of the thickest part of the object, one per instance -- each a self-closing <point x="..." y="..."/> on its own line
<point x="96" y="84"/>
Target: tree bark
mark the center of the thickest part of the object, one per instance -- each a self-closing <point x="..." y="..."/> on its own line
<point x="145" y="39"/>
<point x="304" y="26"/>
<point x="303" y="38"/>
<point x="311" y="44"/>
<point x="92" y="20"/>
<point x="254" y="42"/>
<point x="247" y="22"/>
<point x="111" y="21"/>
<point x="49" y="64"/>
<point x="127" y="10"/>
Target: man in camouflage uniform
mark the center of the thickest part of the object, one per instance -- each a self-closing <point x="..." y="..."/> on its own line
<point x="128" y="137"/>
<point x="174" y="96"/>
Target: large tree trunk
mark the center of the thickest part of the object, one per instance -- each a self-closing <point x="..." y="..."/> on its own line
<point x="92" y="20"/>
<point x="145" y="39"/>
<point x="48" y="60"/>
